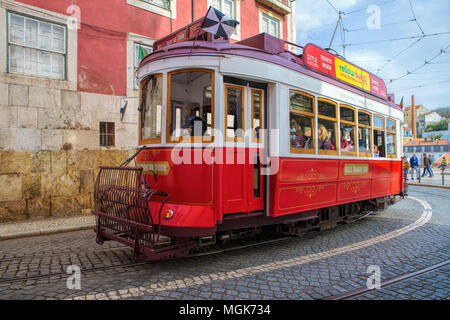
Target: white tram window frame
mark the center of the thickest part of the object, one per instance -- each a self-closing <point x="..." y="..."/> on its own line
<point x="376" y="128"/>
<point x="312" y="115"/>
<point x="242" y="128"/>
<point x="167" y="110"/>
<point x="394" y="133"/>
<point x="159" y="112"/>
<point x="353" y="124"/>
<point x="369" y="127"/>
<point x="261" y="115"/>
<point x="330" y="119"/>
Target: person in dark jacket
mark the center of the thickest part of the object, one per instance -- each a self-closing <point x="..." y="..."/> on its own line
<point x="414" y="162"/>
<point x="426" y="166"/>
<point x="194" y="125"/>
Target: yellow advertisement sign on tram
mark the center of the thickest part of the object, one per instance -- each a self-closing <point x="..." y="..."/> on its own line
<point x="352" y="74"/>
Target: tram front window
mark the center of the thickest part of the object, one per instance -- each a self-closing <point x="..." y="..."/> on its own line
<point x="151" y="109"/>
<point x="190" y="112"/>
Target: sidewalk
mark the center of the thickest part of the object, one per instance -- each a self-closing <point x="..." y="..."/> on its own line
<point x="12" y="230"/>
<point x="435" y="181"/>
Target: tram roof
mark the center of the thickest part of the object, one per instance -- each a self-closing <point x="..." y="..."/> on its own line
<point x="267" y="48"/>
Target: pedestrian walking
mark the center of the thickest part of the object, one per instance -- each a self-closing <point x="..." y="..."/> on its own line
<point x="426" y="166"/>
<point x="431" y="158"/>
<point x="406" y="167"/>
<point x="414" y="162"/>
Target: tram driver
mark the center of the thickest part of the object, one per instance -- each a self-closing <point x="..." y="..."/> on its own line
<point x="194" y="125"/>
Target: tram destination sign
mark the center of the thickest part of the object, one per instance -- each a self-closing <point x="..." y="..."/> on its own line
<point x="321" y="60"/>
<point x="189" y="32"/>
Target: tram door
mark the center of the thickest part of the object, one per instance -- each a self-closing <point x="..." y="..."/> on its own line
<point x="243" y="185"/>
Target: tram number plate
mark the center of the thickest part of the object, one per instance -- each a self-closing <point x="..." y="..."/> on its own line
<point x="356" y="168"/>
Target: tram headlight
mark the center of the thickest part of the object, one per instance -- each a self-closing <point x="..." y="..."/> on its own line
<point x="168" y="214"/>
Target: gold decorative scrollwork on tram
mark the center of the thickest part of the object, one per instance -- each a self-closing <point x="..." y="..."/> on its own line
<point x="309" y="191"/>
<point x="355" y="187"/>
<point x="311" y="174"/>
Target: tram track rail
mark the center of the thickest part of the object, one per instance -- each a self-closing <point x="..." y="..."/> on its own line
<point x="212" y="251"/>
<point x="401" y="278"/>
<point x="56" y="254"/>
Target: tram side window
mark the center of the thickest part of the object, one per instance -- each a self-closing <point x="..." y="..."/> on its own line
<point x="191" y="105"/>
<point x="364" y="127"/>
<point x="347" y="127"/>
<point x="378" y="137"/>
<point x="327" y="126"/>
<point x="390" y="135"/>
<point x="256" y="115"/>
<point x="151" y="109"/>
<point x="301" y="122"/>
<point x="235" y="112"/>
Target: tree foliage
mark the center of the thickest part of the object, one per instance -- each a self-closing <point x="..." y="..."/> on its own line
<point x="438" y="126"/>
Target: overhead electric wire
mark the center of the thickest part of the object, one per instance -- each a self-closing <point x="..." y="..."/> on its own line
<point x="417" y="22"/>
<point x="396" y="39"/>
<point x="396" y="55"/>
<point x="383" y="25"/>
<point x="364" y="9"/>
<point x="421" y="66"/>
<point x="421" y="86"/>
<point x="337" y="11"/>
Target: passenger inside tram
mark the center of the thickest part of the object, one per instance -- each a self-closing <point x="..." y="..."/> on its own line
<point x="376" y="153"/>
<point x="300" y="138"/>
<point x="326" y="138"/>
<point x="347" y="143"/>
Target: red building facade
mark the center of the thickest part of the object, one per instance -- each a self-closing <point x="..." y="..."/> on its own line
<point x="67" y="70"/>
<point x="105" y="27"/>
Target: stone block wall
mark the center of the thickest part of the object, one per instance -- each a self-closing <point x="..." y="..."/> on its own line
<point x="37" y="184"/>
<point x="49" y="145"/>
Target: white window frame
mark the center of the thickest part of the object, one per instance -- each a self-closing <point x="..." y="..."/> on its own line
<point x="237" y="16"/>
<point x="71" y="40"/>
<point x="132" y="40"/>
<point x="271" y="16"/>
<point x="171" y="13"/>
<point x="38" y="48"/>
<point x="136" y="60"/>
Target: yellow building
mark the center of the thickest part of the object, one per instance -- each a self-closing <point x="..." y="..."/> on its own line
<point x="420" y="109"/>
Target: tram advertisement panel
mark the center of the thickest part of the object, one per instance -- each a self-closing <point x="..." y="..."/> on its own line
<point x="327" y="63"/>
<point x="349" y="73"/>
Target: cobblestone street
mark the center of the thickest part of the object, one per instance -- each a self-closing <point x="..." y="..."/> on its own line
<point x="406" y="237"/>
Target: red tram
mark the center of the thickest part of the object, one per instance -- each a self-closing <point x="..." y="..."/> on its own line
<point x="248" y="135"/>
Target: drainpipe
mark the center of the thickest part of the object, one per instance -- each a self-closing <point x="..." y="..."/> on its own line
<point x="193" y="10"/>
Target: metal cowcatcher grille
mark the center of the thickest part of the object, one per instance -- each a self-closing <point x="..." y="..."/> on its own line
<point x="121" y="207"/>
